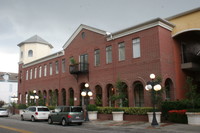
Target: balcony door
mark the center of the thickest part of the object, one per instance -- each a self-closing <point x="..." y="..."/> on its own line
<point x="84" y="62"/>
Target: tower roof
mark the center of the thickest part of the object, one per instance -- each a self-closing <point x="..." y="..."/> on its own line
<point x="35" y="39"/>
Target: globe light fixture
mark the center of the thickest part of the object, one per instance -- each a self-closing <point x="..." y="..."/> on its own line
<point x="83" y="93"/>
<point x="154" y="87"/>
<point x="90" y="93"/>
<point x="86" y="85"/>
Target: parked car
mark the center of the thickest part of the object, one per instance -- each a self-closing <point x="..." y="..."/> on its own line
<point x="67" y="115"/>
<point x="4" y="112"/>
<point x="34" y="113"/>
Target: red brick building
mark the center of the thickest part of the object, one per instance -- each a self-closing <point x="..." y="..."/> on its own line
<point x="130" y="55"/>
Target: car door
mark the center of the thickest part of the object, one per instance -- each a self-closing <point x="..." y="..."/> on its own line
<point x="55" y="115"/>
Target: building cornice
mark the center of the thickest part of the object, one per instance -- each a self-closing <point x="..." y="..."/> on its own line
<point x="46" y="58"/>
<point x="143" y="26"/>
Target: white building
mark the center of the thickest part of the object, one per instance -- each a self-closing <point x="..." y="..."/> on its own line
<point x="8" y="86"/>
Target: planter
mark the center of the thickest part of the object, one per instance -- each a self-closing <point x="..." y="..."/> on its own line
<point x="150" y="116"/>
<point x="118" y="116"/>
<point x="193" y="118"/>
<point x="92" y="115"/>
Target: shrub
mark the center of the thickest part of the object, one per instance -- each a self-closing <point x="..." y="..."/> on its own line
<point x="51" y="107"/>
<point x="127" y="110"/>
<point x="178" y="116"/>
<point x="91" y="107"/>
<point x="21" y="106"/>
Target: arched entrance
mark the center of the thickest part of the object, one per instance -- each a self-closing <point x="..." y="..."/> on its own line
<point x="169" y="90"/>
<point x="98" y="100"/>
<point x="71" y="97"/>
<point x="110" y="93"/>
<point x="45" y="97"/>
<point x="63" y="96"/>
<point x="138" y="90"/>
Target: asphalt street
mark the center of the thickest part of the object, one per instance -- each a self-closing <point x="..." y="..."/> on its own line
<point x="13" y="124"/>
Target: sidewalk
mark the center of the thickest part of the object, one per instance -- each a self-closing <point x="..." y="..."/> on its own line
<point x="163" y="127"/>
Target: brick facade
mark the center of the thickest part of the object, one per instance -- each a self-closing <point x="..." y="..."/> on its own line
<point x="158" y="55"/>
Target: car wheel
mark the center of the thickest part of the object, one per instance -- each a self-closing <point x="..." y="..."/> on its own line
<point x="22" y="118"/>
<point x="50" y="120"/>
<point x="33" y="119"/>
<point x="64" y="122"/>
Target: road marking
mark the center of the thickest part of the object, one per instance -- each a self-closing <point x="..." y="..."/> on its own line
<point x="15" y="129"/>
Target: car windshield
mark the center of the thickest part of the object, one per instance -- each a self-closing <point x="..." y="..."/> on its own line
<point x="2" y="109"/>
<point x="43" y="109"/>
<point x="76" y="109"/>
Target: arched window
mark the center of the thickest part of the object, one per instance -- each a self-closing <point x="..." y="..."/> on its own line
<point x="30" y="53"/>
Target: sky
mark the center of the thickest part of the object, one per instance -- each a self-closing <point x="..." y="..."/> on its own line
<point x="56" y="20"/>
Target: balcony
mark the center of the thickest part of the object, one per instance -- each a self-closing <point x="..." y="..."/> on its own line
<point x="79" y="68"/>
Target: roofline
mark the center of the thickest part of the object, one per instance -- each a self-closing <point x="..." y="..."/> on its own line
<point x="183" y="13"/>
<point x="46" y="58"/>
<point x="82" y="26"/>
<point x="142" y="26"/>
<point x="22" y="43"/>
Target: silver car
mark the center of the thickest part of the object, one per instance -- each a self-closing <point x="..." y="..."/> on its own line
<point x="34" y="113"/>
<point x="4" y="112"/>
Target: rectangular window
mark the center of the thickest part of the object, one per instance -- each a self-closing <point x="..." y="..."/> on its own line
<point x="35" y="72"/>
<point x="40" y="71"/>
<point x="27" y="75"/>
<point x="97" y="57"/>
<point x="84" y="62"/>
<point x="136" y="48"/>
<point x="31" y="74"/>
<point x="108" y="54"/>
<point x="63" y="65"/>
<point x="121" y="49"/>
<point x="50" y="69"/>
<point x="45" y="70"/>
<point x="57" y="67"/>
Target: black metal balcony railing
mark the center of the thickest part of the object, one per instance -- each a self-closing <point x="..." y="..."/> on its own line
<point x="79" y="68"/>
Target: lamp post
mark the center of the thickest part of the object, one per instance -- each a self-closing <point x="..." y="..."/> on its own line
<point x="34" y="96"/>
<point x="86" y="92"/>
<point x="14" y="99"/>
<point x="153" y="86"/>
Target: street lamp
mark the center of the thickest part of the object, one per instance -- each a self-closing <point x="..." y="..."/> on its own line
<point x="34" y="96"/>
<point x="153" y="86"/>
<point x="86" y="92"/>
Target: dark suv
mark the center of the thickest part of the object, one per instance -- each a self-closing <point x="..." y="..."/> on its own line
<point x="66" y="115"/>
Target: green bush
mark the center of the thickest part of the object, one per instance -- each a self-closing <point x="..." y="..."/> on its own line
<point x="91" y="107"/>
<point x="51" y="107"/>
<point x="21" y="106"/>
<point x="127" y="110"/>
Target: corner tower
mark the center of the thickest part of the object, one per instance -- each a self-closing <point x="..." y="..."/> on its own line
<point x="33" y="49"/>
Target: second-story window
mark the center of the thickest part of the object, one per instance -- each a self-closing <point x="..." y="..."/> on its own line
<point x="97" y="57"/>
<point x="136" y="48"/>
<point x="40" y="71"/>
<point x="45" y="70"/>
<point x="27" y="75"/>
<point x="35" y="73"/>
<point x="108" y="54"/>
<point x="31" y="73"/>
<point x="63" y="65"/>
<point x="50" y="69"/>
<point x="121" y="49"/>
<point x="57" y="67"/>
<point x="84" y="62"/>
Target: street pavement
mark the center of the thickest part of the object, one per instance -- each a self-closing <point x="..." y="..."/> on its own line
<point x="144" y="126"/>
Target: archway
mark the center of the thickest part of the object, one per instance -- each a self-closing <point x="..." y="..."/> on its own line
<point x="110" y="93"/>
<point x="138" y="90"/>
<point x="71" y="97"/>
<point x="63" y="96"/>
<point x="98" y="100"/>
<point x="169" y="90"/>
<point x="45" y="97"/>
